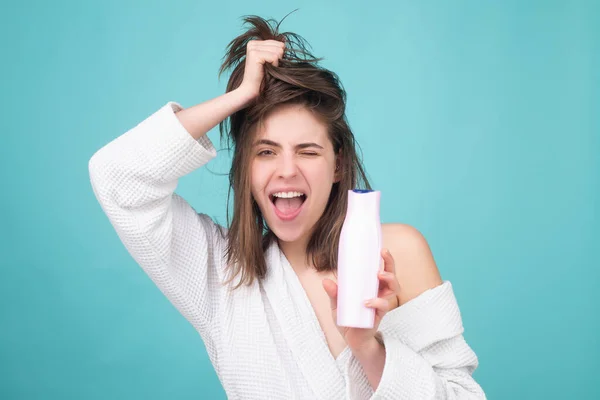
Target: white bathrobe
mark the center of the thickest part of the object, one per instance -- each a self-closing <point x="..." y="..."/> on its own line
<point x="264" y="340"/>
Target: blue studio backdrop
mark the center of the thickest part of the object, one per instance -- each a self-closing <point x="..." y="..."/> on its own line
<point x="478" y="121"/>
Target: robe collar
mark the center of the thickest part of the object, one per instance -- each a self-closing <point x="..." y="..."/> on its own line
<point x="301" y="328"/>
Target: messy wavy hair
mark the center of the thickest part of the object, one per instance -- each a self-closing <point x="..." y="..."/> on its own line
<point x="298" y="79"/>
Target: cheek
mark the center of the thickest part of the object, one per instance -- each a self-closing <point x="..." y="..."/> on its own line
<point x="321" y="179"/>
<point x="258" y="179"/>
<point x="323" y="172"/>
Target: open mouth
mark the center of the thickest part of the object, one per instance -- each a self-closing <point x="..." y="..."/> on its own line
<point x="274" y="196"/>
<point x="287" y="205"/>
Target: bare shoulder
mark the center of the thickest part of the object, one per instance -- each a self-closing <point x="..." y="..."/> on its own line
<point x="415" y="266"/>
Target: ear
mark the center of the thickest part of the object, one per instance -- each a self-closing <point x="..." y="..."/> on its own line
<point x="338" y="168"/>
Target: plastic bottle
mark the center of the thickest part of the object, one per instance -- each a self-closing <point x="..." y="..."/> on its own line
<point x="359" y="259"/>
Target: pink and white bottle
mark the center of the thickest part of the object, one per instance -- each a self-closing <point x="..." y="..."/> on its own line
<point x="359" y="259"/>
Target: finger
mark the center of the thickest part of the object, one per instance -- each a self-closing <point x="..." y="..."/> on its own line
<point x="267" y="41"/>
<point x="277" y="51"/>
<point x="268" y="49"/>
<point x="266" y="56"/>
<point x="265" y="44"/>
<point x="390" y="279"/>
<point x="393" y="300"/>
<point x="388" y="261"/>
<point x="383" y="305"/>
<point x="277" y="46"/>
<point x="331" y="289"/>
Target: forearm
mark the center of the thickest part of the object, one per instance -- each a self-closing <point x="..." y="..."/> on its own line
<point x="371" y="357"/>
<point x="201" y="118"/>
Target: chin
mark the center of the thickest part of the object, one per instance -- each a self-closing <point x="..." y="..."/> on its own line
<point x="284" y="235"/>
<point x="288" y="234"/>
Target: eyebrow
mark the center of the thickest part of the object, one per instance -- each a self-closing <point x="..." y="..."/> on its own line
<point x="275" y="144"/>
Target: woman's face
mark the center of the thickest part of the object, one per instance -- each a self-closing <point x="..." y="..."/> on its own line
<point x="292" y="171"/>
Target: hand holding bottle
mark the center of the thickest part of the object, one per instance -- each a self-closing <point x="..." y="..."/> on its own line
<point x="388" y="298"/>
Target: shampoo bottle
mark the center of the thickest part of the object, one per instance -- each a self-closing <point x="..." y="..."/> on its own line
<point x="359" y="259"/>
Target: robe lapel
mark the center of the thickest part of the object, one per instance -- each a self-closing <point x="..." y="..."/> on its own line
<point x="301" y="328"/>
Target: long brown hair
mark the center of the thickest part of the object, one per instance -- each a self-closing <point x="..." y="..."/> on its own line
<point x="298" y="79"/>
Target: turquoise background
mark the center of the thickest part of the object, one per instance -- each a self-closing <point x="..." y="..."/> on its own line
<point x="478" y="121"/>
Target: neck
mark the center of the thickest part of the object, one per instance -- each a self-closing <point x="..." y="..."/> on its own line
<point x="295" y="252"/>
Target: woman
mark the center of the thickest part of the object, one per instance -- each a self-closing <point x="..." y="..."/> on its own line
<point x="262" y="293"/>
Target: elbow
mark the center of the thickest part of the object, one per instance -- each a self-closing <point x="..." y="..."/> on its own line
<point x="97" y="167"/>
<point x="94" y="168"/>
<point x="103" y="174"/>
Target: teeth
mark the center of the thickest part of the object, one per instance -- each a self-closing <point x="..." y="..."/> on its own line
<point x="287" y="195"/>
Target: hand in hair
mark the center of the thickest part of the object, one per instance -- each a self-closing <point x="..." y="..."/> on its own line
<point x="259" y="52"/>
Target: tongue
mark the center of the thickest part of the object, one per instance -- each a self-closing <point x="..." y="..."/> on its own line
<point x="288" y="206"/>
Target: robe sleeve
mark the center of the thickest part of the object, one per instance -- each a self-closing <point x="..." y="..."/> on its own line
<point x="427" y="356"/>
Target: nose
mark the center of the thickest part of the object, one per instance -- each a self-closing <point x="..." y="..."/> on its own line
<point x="287" y="167"/>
